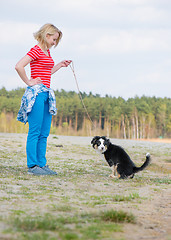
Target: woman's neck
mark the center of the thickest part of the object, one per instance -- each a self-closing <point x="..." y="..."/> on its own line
<point x="43" y="48"/>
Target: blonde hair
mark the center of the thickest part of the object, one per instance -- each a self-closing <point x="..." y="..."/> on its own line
<point x="49" y="29"/>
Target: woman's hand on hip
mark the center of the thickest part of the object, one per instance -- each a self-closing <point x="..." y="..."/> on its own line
<point x="34" y="81"/>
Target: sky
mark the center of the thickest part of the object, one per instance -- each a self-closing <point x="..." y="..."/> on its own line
<point x="120" y="48"/>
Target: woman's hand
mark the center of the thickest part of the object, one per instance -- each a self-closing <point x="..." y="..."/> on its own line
<point x="65" y="63"/>
<point x="34" y="81"/>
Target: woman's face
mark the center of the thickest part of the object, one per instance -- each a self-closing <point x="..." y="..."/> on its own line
<point x="52" y="39"/>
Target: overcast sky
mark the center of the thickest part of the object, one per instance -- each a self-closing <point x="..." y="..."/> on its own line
<point x="119" y="47"/>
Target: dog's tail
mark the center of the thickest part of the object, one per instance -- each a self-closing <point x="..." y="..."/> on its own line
<point x="145" y="164"/>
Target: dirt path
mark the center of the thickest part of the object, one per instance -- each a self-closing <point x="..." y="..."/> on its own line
<point x="154" y="219"/>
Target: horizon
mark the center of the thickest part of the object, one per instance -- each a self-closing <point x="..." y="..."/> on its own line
<point x="91" y="93"/>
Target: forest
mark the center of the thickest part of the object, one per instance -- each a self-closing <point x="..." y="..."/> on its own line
<point x="134" y="118"/>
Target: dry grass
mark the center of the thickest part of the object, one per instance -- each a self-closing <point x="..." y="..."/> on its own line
<point x="82" y="202"/>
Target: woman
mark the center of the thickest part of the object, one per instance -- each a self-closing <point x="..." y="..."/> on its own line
<point x="38" y="103"/>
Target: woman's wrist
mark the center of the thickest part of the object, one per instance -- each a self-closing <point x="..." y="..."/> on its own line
<point x="61" y="64"/>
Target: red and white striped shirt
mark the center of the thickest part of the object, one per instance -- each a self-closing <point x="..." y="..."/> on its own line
<point x="41" y="65"/>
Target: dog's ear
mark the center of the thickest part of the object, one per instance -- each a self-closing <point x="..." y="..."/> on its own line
<point x="107" y="141"/>
<point x="95" y="139"/>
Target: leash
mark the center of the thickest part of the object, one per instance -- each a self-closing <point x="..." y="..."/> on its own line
<point x="79" y="93"/>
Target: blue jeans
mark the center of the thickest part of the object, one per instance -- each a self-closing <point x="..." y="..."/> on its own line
<point x="39" y="120"/>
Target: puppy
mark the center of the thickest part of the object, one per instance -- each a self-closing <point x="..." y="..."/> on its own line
<point x="117" y="158"/>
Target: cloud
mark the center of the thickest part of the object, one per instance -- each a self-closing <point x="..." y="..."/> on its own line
<point x="106" y="41"/>
<point x="121" y="41"/>
<point x="97" y="12"/>
<point x="122" y="44"/>
<point x="11" y="81"/>
<point x="152" y="77"/>
<point x="17" y="32"/>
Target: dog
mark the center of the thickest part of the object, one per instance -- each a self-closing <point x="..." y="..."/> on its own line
<point x="120" y="162"/>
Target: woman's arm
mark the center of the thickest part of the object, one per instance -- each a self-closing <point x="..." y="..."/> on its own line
<point x="64" y="63"/>
<point x="22" y="73"/>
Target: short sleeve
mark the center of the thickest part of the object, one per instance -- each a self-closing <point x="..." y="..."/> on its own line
<point x="33" y="53"/>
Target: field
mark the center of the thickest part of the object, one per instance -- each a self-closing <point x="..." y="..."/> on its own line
<point x="82" y="202"/>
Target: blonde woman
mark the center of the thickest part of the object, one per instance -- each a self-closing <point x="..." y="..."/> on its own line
<point x="38" y="103"/>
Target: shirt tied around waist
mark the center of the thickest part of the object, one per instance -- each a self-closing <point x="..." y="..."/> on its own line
<point x="29" y="98"/>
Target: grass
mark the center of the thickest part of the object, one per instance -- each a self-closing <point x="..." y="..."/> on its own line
<point x="117" y="216"/>
<point x="81" y="202"/>
<point x="130" y="197"/>
<point x="46" y="222"/>
<point x="84" y="226"/>
<point x="105" y="199"/>
<point x="62" y="208"/>
<point x="37" y="236"/>
<point x="159" y="168"/>
<point x="159" y="181"/>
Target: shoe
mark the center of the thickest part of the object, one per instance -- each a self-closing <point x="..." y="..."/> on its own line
<point x="37" y="171"/>
<point x="48" y="170"/>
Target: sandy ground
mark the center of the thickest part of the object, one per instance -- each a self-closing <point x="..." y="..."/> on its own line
<point x="164" y="140"/>
<point x="84" y="176"/>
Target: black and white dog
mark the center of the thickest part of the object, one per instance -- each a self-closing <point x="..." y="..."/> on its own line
<point x="117" y="158"/>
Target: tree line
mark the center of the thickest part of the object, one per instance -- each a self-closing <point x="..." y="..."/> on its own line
<point x="134" y="118"/>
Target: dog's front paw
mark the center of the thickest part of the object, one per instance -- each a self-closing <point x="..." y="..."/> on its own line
<point x="112" y="176"/>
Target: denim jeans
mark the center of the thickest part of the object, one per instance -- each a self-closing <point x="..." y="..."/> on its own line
<point x="39" y="120"/>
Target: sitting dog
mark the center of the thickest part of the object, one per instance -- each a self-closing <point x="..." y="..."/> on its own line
<point x="117" y="158"/>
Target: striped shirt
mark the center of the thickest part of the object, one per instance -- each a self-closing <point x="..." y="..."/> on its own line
<point x="41" y="65"/>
